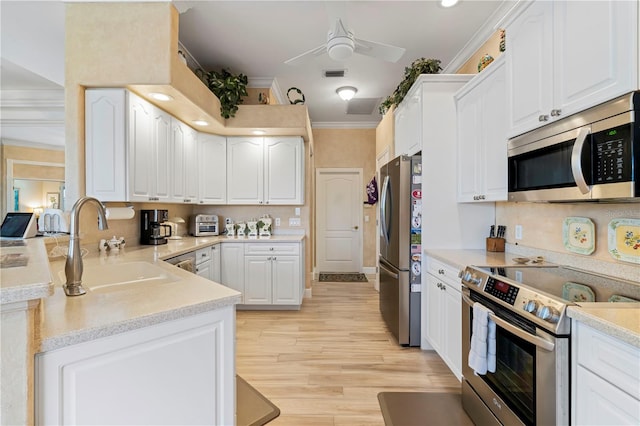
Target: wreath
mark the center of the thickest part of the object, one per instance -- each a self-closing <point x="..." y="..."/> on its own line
<point x="295" y="101"/>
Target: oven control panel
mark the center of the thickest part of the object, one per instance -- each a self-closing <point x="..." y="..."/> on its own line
<point x="503" y="291"/>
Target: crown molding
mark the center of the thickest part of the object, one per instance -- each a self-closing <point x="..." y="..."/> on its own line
<point x="30" y="144"/>
<point x="345" y="125"/>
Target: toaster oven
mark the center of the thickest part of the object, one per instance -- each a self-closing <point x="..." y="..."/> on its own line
<point x="203" y="225"/>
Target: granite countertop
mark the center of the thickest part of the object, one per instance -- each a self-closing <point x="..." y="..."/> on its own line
<point x="24" y="271"/>
<point x="621" y="320"/>
<point x="103" y="312"/>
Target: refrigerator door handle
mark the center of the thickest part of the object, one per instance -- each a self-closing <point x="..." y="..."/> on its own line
<point x="383" y="209"/>
<point x="388" y="272"/>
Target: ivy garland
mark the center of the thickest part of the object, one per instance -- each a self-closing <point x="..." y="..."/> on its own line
<point x="411" y="73"/>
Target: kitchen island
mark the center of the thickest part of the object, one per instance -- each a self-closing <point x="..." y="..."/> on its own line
<point x="159" y="350"/>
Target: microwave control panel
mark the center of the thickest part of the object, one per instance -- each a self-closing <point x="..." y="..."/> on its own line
<point x="612" y="155"/>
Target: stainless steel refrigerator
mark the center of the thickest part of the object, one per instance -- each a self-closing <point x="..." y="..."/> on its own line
<point x="401" y="247"/>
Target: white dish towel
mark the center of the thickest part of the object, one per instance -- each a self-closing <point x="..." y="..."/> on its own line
<point x="482" y="355"/>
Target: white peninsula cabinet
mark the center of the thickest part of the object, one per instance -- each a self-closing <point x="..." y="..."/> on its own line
<point x="267" y="170"/>
<point x="232" y="266"/>
<point x="482" y="136"/>
<point x="567" y="56"/>
<point x="212" y="165"/>
<point x="216" y="262"/>
<point x="135" y="151"/>
<point x="176" y="372"/>
<point x="605" y="379"/>
<point x="442" y="314"/>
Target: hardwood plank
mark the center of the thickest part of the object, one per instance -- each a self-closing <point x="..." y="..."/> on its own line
<point x="325" y="364"/>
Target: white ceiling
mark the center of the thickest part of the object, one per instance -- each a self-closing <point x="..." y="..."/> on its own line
<point x="256" y="37"/>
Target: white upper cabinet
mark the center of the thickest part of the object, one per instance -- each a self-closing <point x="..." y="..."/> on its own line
<point x="408" y="123"/>
<point x="212" y="158"/>
<point x="265" y="170"/>
<point x="482" y="136"/>
<point x="564" y="57"/>
<point x="184" y="185"/>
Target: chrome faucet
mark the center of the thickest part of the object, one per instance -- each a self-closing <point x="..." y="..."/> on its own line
<point x="73" y="265"/>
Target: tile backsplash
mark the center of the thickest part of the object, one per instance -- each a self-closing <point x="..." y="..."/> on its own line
<point x="542" y="225"/>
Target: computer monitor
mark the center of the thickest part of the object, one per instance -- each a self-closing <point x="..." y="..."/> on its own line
<point x="19" y="225"/>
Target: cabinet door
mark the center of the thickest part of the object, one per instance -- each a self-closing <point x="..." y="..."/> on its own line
<point x="433" y="326"/>
<point x="452" y="329"/>
<point x="141" y="152"/>
<point x="400" y="136"/>
<point x="493" y="167"/>
<point x="105" y="144"/>
<point x="595" y="52"/>
<point x="232" y="266"/>
<point x="245" y="170"/>
<point x="215" y="263"/>
<point x="178" y="140"/>
<point x="257" y="270"/>
<point x="204" y="270"/>
<point x="190" y="166"/>
<point x="283" y="170"/>
<point x="530" y="68"/>
<point x="161" y="162"/>
<point x="212" y="157"/>
<point x="286" y="280"/>
<point x="413" y="122"/>
<point x="469" y="119"/>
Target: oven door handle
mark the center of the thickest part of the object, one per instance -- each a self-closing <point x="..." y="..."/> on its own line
<point x="534" y="340"/>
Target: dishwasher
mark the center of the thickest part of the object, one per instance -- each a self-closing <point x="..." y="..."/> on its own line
<point x="185" y="261"/>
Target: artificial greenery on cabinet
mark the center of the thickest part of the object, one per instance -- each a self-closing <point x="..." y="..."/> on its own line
<point x="228" y="87"/>
<point x="411" y="73"/>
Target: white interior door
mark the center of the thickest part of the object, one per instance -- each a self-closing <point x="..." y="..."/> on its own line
<point x="339" y="201"/>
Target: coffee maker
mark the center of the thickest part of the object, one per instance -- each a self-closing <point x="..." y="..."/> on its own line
<point x="152" y="231"/>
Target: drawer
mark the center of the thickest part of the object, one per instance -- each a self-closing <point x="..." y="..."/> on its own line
<point x="615" y="361"/>
<point x="292" y="249"/>
<point x="444" y="271"/>
<point x="202" y="255"/>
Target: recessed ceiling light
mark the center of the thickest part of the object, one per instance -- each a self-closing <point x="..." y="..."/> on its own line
<point x="448" y="3"/>
<point x="161" y="97"/>
<point x="200" y="123"/>
<point x="346" y="92"/>
<point x="259" y="132"/>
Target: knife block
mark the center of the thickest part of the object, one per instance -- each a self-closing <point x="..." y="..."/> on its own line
<point x="495" y="244"/>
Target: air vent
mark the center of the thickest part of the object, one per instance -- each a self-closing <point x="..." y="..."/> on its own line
<point x="362" y="106"/>
<point x="334" y="73"/>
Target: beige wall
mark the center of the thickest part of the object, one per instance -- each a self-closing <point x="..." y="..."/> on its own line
<point x="542" y="223"/>
<point x="351" y="148"/>
<point x="491" y="47"/>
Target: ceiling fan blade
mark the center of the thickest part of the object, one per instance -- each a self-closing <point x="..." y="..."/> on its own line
<point x="303" y="57"/>
<point x="379" y="50"/>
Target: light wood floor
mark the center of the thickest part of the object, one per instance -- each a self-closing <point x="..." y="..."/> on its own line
<point x="326" y="364"/>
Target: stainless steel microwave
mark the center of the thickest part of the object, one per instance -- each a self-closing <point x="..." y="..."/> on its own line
<point x="593" y="155"/>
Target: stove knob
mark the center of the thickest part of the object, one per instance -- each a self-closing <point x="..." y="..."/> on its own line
<point x="531" y="306"/>
<point x="548" y="314"/>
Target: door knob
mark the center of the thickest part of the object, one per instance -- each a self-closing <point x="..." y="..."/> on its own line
<point x="355" y="227"/>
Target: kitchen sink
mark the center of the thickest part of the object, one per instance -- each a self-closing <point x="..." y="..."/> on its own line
<point x="120" y="275"/>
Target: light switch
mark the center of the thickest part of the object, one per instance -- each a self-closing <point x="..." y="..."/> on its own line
<point x="366" y="218"/>
<point x="297" y="211"/>
<point x="294" y="221"/>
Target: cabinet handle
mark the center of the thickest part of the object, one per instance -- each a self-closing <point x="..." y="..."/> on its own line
<point x="186" y="200"/>
<point x="268" y="258"/>
<point x="556" y="112"/>
<point x="543" y="117"/>
<point x="271" y="248"/>
<point x="275" y="258"/>
<point x="441" y="271"/>
<point x="259" y="202"/>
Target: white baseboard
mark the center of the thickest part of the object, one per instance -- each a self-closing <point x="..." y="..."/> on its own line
<point x="369" y="270"/>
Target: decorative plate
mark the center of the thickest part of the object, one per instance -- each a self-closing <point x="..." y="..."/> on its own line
<point x="622" y="299"/>
<point x="574" y="292"/>
<point x="578" y="235"/>
<point x="624" y="240"/>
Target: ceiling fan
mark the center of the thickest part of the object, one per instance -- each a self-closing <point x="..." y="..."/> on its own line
<point x="341" y="45"/>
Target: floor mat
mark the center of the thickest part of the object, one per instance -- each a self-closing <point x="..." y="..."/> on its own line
<point x="354" y="277"/>
<point x="422" y="409"/>
<point x="253" y="409"/>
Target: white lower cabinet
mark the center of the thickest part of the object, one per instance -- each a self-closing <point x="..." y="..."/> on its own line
<point x="232" y="267"/>
<point x="204" y="263"/>
<point x="273" y="275"/>
<point x="442" y="314"/>
<point x="215" y="263"/>
<point x="605" y="379"/>
<point x="175" y="372"/>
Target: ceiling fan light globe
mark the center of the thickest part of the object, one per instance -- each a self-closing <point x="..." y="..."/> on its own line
<point x="340" y="48"/>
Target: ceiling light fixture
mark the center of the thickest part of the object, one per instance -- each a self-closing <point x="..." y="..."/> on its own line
<point x="161" y="97"/>
<point x="200" y="123"/>
<point x="448" y="3"/>
<point x="346" y="92"/>
<point x="259" y="132"/>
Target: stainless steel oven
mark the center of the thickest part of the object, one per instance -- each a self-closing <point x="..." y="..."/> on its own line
<point x="531" y="381"/>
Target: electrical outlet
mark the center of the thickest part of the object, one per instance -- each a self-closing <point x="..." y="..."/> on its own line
<point x="294" y="221"/>
<point x="277" y="221"/>
<point x="518" y="232"/>
<point x="297" y="211"/>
